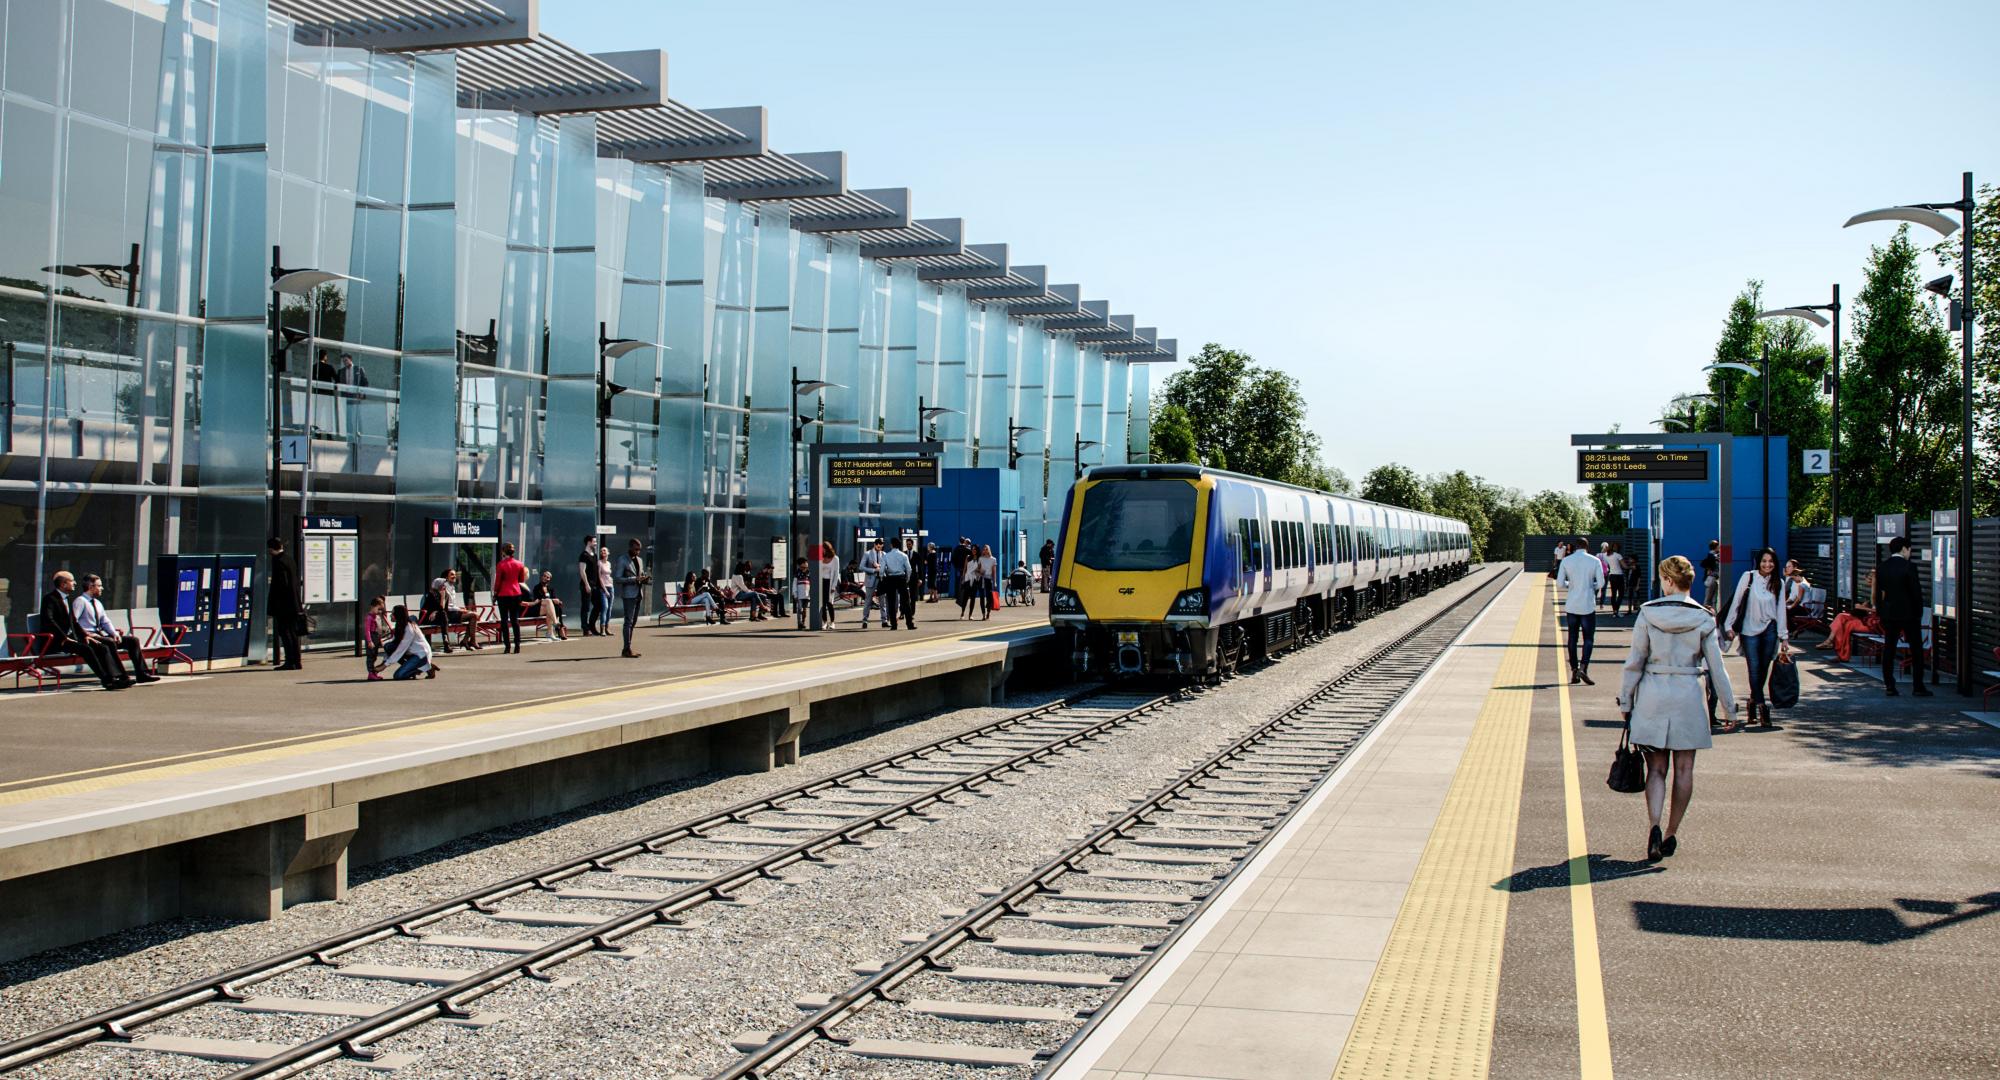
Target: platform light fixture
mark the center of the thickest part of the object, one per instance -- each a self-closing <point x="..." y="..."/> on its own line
<point x="1014" y="433"/>
<point x="1082" y="444"/>
<point x="1929" y="216"/>
<point x="609" y="349"/>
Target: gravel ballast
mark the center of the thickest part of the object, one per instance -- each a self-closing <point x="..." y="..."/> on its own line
<point x="675" y="1009"/>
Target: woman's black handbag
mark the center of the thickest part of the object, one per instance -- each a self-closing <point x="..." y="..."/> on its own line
<point x="1628" y="765"/>
<point x="1784" y="687"/>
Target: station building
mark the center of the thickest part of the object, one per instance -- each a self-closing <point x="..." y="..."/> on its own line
<point x="505" y="230"/>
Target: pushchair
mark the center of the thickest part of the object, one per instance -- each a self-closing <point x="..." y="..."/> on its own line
<point x="1019" y="588"/>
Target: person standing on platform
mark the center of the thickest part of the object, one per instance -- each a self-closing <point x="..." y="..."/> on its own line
<point x="1711" y="576"/>
<point x="893" y="582"/>
<point x="989" y="579"/>
<point x="802" y="590"/>
<point x="1048" y="561"/>
<point x="605" y="582"/>
<point x="1757" y="615"/>
<point x="1580" y="576"/>
<point x="1899" y="603"/>
<point x="871" y="574"/>
<point x="510" y="591"/>
<point x="589" y="587"/>
<point x="632" y="580"/>
<point x="59" y="622"/>
<point x="912" y="587"/>
<point x="286" y="606"/>
<point x="1673" y="641"/>
<point x="829" y="582"/>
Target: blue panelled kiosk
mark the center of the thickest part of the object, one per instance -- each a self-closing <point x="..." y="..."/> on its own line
<point x="212" y="599"/>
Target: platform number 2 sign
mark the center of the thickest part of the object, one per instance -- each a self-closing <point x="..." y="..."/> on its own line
<point x="1818" y="463"/>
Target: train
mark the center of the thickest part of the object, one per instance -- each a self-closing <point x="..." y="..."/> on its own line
<point x="1189" y="570"/>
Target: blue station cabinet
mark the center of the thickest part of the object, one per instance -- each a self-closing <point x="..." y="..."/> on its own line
<point x="982" y="504"/>
<point x="213" y="599"/>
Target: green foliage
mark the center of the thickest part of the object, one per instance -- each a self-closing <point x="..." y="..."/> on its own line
<point x="1466" y="497"/>
<point x="1557" y="512"/>
<point x="1396" y="485"/>
<point x="1173" y="437"/>
<point x="1985" y="344"/>
<point x="1899" y="393"/>
<point x="1608" y="503"/>
<point x="1244" y="417"/>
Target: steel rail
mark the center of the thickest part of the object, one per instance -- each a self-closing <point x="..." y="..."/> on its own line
<point x="927" y="956"/>
<point x="120" y="1021"/>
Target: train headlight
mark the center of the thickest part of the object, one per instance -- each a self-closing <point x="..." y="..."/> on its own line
<point x="1065" y="602"/>
<point x="1190" y="602"/>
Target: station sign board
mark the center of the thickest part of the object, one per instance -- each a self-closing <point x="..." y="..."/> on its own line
<point x="913" y="471"/>
<point x="1890" y="526"/>
<point x="1640" y="466"/>
<point x="465" y="530"/>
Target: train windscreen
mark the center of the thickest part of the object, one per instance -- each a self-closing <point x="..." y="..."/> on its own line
<point x="1136" y="525"/>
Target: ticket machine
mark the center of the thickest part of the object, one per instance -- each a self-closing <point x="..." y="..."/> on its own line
<point x="210" y="599"/>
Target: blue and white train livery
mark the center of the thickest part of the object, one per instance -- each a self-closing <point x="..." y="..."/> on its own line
<point x="1182" y="568"/>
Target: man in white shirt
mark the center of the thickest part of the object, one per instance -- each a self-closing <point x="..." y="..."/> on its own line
<point x="893" y="583"/>
<point x="1580" y="577"/>
<point x="94" y="625"/>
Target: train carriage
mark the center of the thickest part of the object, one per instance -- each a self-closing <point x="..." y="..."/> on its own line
<point x="1187" y="569"/>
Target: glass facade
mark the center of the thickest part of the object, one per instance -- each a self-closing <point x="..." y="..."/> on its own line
<point x="159" y="160"/>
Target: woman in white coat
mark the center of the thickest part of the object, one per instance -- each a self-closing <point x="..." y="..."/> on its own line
<point x="1662" y="697"/>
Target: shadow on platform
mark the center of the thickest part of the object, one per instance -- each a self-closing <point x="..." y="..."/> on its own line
<point x="1860" y="925"/>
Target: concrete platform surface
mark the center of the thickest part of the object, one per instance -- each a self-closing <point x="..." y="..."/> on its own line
<point x="1470" y="900"/>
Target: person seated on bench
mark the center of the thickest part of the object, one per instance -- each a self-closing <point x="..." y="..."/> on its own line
<point x="60" y="623"/>
<point x="94" y="625"/>
<point x="698" y="591"/>
<point x="444" y="609"/>
<point x="738" y="590"/>
<point x="1862" y="620"/>
<point x="544" y="598"/>
<point x="766" y="581"/>
<point x="1796" y="588"/>
<point x="412" y="653"/>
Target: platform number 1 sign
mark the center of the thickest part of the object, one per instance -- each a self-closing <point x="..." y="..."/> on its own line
<point x="1818" y="463"/>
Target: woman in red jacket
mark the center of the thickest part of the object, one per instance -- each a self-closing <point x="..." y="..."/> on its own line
<point x="510" y="591"/>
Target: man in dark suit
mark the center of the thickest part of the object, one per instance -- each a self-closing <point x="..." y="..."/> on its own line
<point x="57" y="619"/>
<point x="284" y="602"/>
<point x="1899" y="603"/>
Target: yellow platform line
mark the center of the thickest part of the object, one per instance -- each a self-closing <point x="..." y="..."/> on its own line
<point x="1593" y="1030"/>
<point x="255" y="753"/>
<point x="1430" y="1007"/>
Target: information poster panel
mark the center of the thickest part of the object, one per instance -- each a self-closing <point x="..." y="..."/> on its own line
<point x="1640" y="466"/>
<point x="346" y="551"/>
<point x="1944" y="564"/>
<point x="883" y="472"/>
<point x="317" y="561"/>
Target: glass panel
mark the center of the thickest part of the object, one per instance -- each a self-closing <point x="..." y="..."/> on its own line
<point x="770" y="387"/>
<point x="1136" y="525"/>
<point x="27" y="195"/>
<point x="34" y="44"/>
<point x="100" y="65"/>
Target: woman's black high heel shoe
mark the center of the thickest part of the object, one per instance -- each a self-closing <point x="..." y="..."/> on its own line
<point x="1653" y="852"/>
<point x="1668" y="845"/>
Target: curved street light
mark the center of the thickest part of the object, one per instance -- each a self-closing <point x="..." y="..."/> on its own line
<point x="1014" y="433"/>
<point x="1811" y="313"/>
<point x="609" y="349"/>
<point x="300" y="282"/>
<point x="1927" y="215"/>
<point x="801" y="388"/>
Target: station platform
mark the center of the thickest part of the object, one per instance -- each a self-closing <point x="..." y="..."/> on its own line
<point x="1468" y="899"/>
<point x="236" y="793"/>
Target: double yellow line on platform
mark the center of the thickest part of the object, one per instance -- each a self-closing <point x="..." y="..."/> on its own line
<point x="1431" y="1006"/>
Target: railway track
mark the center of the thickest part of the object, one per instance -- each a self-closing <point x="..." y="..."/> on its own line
<point x="656" y="879"/>
<point x="1117" y="898"/>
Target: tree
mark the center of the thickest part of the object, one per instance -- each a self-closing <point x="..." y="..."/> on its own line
<point x="1173" y="437"/>
<point x="1466" y="497"/>
<point x="1396" y="485"/>
<point x="1558" y="513"/>
<point x="1608" y="503"/>
<point x="1985" y="346"/>
<point x="1245" y="417"/>
<point x="1899" y="393"/>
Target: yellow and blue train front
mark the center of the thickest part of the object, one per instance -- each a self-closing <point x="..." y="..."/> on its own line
<point x="1129" y="583"/>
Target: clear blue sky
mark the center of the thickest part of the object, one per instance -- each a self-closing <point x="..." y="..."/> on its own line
<point x="1468" y="229"/>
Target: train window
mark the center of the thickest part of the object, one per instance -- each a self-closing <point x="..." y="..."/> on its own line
<point x="1136" y="525"/>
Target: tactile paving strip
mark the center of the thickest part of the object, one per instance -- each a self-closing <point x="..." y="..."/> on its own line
<point x="1429" y="1009"/>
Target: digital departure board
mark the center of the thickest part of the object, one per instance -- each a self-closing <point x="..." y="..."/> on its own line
<point x="1640" y="466"/>
<point x="882" y="472"/>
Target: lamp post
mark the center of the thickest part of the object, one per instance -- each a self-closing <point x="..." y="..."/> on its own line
<point x="609" y="349"/>
<point x="1014" y="433"/>
<point x="1927" y="215"/>
<point x="801" y="388"/>
<point x="1811" y="313"/>
<point x="1081" y="444"/>
<point x="288" y="282"/>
